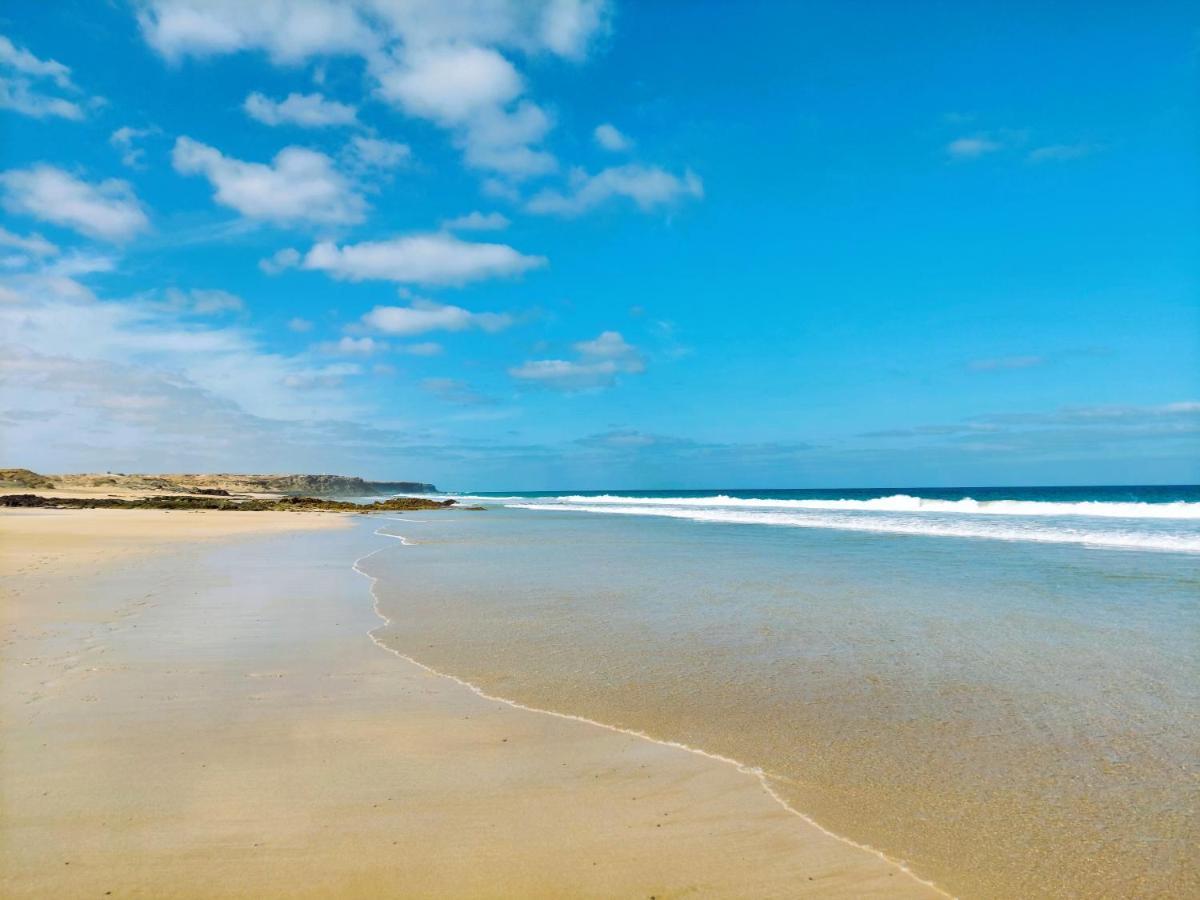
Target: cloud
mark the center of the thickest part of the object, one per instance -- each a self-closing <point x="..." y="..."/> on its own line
<point x="203" y="301"/>
<point x="649" y="187"/>
<point x="436" y="258"/>
<point x="287" y="258"/>
<point x="304" y="110"/>
<point x="289" y="32"/>
<point x="444" y="62"/>
<point x="299" y="325"/>
<point x="34" y="243"/>
<point x="1006" y="362"/>
<point x="597" y="365"/>
<point x="477" y="221"/>
<point x="1060" y="152"/>
<point x="299" y="186"/>
<point x="123" y="139"/>
<point x="108" y="210"/>
<point x="367" y="153"/>
<point x="424" y="348"/>
<point x="454" y="390"/>
<point x="469" y="89"/>
<point x="363" y="346"/>
<point x="425" y="315"/>
<point x="972" y="147"/>
<point x="19" y="90"/>
<point x="608" y="137"/>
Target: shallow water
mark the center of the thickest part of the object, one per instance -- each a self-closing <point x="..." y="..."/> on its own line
<point x="1013" y="717"/>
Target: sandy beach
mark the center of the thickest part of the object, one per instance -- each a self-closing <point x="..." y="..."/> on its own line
<point x="193" y="707"/>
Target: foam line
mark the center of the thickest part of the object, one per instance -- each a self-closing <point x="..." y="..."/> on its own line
<point x="755" y="771"/>
<point x="1177" y="541"/>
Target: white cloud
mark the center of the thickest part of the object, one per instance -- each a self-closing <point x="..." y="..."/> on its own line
<point x="299" y="325"/>
<point x="305" y="110"/>
<point x="648" y="187"/>
<point x="21" y="60"/>
<point x="18" y="95"/>
<point x="362" y="346"/>
<point x="202" y="301"/>
<point x="1060" y="152"/>
<point x="598" y="363"/>
<point x="290" y="32"/>
<point x="34" y="243"/>
<point x="424" y="348"/>
<point x="468" y="89"/>
<point x="438" y="258"/>
<point x="20" y="90"/>
<point x="108" y="210"/>
<point x="298" y="186"/>
<point x="608" y="137"/>
<point x="972" y="147"/>
<point x="424" y="315"/>
<point x="366" y="153"/>
<point x="286" y="258"/>
<point x="442" y="61"/>
<point x="123" y="139"/>
<point x="477" y="221"/>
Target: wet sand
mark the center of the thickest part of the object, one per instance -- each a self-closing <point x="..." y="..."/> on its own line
<point x="192" y="708"/>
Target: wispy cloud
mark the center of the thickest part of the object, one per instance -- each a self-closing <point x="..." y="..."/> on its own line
<point x="425" y="315"/>
<point x="649" y="187"/>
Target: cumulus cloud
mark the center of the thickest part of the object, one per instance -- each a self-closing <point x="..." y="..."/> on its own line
<point x="423" y="348"/>
<point x="361" y="346"/>
<point x="608" y="137"/>
<point x="972" y="147"/>
<point x="124" y="140"/>
<point x="445" y="62"/>
<point x="299" y="325"/>
<point x="299" y="186"/>
<point x="477" y="221"/>
<point x="425" y="315"/>
<point x="304" y="110"/>
<point x="287" y="258"/>
<point x="597" y="364"/>
<point x="23" y="77"/>
<point x="649" y="187"/>
<point x="437" y="258"/>
<point x="108" y="210"/>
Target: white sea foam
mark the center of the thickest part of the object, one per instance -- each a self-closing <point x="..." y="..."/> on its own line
<point x="909" y="504"/>
<point x="1147" y="536"/>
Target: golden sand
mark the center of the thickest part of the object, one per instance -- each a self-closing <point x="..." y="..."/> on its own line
<point x="193" y="717"/>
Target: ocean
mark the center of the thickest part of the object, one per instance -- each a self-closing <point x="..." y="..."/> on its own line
<point x="998" y="686"/>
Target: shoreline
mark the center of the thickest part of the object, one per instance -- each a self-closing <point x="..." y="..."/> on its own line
<point x="757" y="773"/>
<point x="320" y="758"/>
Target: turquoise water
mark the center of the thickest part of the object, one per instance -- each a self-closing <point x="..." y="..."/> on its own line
<point x="1005" y="697"/>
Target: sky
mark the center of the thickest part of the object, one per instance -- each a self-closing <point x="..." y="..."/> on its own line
<point x="561" y="244"/>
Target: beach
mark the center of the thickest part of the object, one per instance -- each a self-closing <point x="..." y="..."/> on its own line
<point x="193" y="706"/>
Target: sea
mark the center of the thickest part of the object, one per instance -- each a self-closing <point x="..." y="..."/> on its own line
<point x="998" y="686"/>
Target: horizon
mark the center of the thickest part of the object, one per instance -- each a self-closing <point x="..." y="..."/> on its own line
<point x="808" y="246"/>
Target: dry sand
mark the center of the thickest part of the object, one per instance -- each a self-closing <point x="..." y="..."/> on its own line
<point x="192" y="708"/>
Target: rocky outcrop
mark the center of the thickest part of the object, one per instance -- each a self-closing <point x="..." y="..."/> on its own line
<point x="188" y="501"/>
<point x="307" y="485"/>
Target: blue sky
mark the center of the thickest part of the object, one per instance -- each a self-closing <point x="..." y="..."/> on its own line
<point x="579" y="244"/>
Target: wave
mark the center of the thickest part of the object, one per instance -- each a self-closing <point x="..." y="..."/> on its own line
<point x="1011" y="530"/>
<point x="906" y="503"/>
